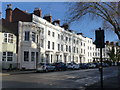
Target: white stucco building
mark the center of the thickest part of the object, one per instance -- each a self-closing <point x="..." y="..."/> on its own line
<point x="42" y="41"/>
<point x="8" y="54"/>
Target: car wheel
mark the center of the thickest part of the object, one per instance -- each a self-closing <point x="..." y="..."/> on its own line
<point x="46" y="70"/>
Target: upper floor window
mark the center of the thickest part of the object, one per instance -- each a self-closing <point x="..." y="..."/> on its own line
<point x="53" y="45"/>
<point x="69" y="48"/>
<point x="69" y="39"/>
<point x="84" y="51"/>
<point x="58" y="47"/>
<point x="61" y="47"/>
<point x="90" y="48"/>
<point x="81" y="43"/>
<point x="74" y="49"/>
<point x="66" y="38"/>
<point x="48" y="44"/>
<point x="8" y="38"/>
<point x="61" y="37"/>
<point x="42" y="31"/>
<point x="77" y="50"/>
<point x="84" y="44"/>
<point x="66" y="48"/>
<point x="77" y="41"/>
<point x="53" y="34"/>
<point x="73" y="40"/>
<point x="32" y="56"/>
<point x="81" y="51"/>
<point x="26" y="55"/>
<point x="49" y="33"/>
<point x="33" y="36"/>
<point x="88" y="53"/>
<point x="58" y="36"/>
<point x="27" y="36"/>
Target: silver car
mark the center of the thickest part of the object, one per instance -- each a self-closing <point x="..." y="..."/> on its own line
<point x="45" y="67"/>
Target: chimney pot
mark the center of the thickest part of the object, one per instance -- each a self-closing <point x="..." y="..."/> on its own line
<point x="9" y="6"/>
<point x="80" y="34"/>
<point x="48" y="17"/>
<point x="38" y="12"/>
<point x="56" y="21"/>
<point x="65" y="26"/>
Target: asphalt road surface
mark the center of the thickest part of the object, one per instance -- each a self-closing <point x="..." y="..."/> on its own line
<point x="61" y="79"/>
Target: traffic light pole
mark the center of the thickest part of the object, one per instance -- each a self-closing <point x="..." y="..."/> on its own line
<point x="101" y="68"/>
<point x="99" y="42"/>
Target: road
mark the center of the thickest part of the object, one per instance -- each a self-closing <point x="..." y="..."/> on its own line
<point x="62" y="79"/>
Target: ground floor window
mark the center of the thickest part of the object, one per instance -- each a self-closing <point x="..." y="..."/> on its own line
<point x="7" y="56"/>
<point x="42" y="58"/>
<point x="26" y="55"/>
<point x="32" y="56"/>
<point x="51" y="58"/>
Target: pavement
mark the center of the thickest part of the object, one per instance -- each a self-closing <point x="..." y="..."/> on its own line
<point x="15" y="72"/>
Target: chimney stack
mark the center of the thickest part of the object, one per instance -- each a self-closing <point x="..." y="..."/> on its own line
<point x="48" y="18"/>
<point x="112" y="43"/>
<point x="80" y="34"/>
<point x="9" y="13"/>
<point x="56" y="22"/>
<point x="38" y="12"/>
<point x="107" y="42"/>
<point x="65" y="26"/>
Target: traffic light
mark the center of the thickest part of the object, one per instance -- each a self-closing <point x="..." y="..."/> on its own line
<point x="99" y="35"/>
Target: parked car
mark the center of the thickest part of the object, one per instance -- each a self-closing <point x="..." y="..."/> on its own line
<point x="91" y="65"/>
<point x="59" y="66"/>
<point x="45" y="67"/>
<point x="84" y="66"/>
<point x="97" y="65"/>
<point x="105" y="65"/>
<point x="73" y="66"/>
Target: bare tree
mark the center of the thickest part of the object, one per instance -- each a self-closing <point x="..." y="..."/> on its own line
<point x="108" y="11"/>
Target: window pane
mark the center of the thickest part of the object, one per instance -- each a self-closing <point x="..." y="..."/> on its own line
<point x="9" y="58"/>
<point x="5" y="34"/>
<point x="4" y="53"/>
<point x="5" y="39"/>
<point x="9" y="53"/>
<point x="3" y="58"/>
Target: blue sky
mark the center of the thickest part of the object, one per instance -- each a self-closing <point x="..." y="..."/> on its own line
<point x="58" y="10"/>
